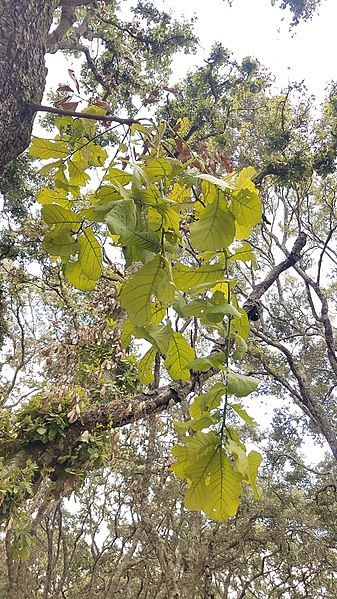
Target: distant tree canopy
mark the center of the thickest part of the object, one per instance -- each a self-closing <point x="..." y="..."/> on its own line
<point x="300" y="9"/>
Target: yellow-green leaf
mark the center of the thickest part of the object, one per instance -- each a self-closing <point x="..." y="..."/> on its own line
<point x="145" y="366"/>
<point x="60" y="244"/>
<point x="178" y="356"/>
<point x="117" y="175"/>
<point x="215" y="486"/>
<point x="60" y="218"/>
<point x="158" y="168"/>
<point x="53" y="196"/>
<point x="136" y="293"/>
<point x="207" y="401"/>
<point x="240" y="385"/>
<point x="45" y="148"/>
<point x="243" y="414"/>
<point x="76" y="169"/>
<point x="186" y="278"/>
<point x="215" y="228"/>
<point x="85" y="273"/>
<point x="247" y="207"/>
<point x="254" y="461"/>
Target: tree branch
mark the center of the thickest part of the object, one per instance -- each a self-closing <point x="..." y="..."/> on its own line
<point x="86" y="115"/>
<point x="116" y="414"/>
<point x="252" y="305"/>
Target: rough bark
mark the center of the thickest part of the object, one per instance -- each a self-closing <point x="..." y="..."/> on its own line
<point x="24" y="27"/>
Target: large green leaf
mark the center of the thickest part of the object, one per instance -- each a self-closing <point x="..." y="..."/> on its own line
<point x="208" y="401"/>
<point x="145" y="366"/>
<point x="60" y="244"/>
<point x="144" y="240"/>
<point x="122" y="218"/>
<point x="136" y="293"/>
<point x="76" y="169"/>
<point x="185" y="277"/>
<point x="157" y="168"/>
<point x="60" y="218"/>
<point x="240" y="385"/>
<point x="215" y="486"/>
<point x="247" y="207"/>
<point x="45" y="148"/>
<point x="117" y="175"/>
<point x="179" y="355"/>
<point x="158" y="335"/>
<point x="215" y="229"/>
<point x="85" y="272"/>
<point x="189" y="448"/>
<point x="53" y="196"/>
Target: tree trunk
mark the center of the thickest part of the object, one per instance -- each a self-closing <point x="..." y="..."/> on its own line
<point x="24" y="26"/>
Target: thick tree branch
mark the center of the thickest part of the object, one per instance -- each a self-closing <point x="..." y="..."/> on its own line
<point x="252" y="305"/>
<point x="116" y="414"/>
<point x="67" y="20"/>
<point x="85" y="115"/>
<point x="304" y="399"/>
<point x="294" y="256"/>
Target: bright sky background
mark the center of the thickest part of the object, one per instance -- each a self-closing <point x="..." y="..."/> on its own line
<point x="255" y="28"/>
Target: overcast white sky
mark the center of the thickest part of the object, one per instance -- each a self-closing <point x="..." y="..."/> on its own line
<point x="254" y="27"/>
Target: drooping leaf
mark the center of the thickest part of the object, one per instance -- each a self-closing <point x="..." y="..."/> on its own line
<point x="45" y="148"/>
<point x="247" y="465"/>
<point x="243" y="414"/>
<point x="136" y="294"/>
<point x="208" y="401"/>
<point x="254" y="461"/>
<point x="60" y="218"/>
<point x="85" y="272"/>
<point x="145" y="366"/>
<point x="215" y="228"/>
<point x="185" y="277"/>
<point x="179" y="355"/>
<point x="158" y="335"/>
<point x="240" y="385"/>
<point x="240" y="347"/>
<point x="215" y="487"/>
<point x="204" y="364"/>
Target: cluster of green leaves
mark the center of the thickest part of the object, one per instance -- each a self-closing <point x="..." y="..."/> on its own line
<point x="179" y="229"/>
<point x="46" y="419"/>
<point x="15" y="485"/>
